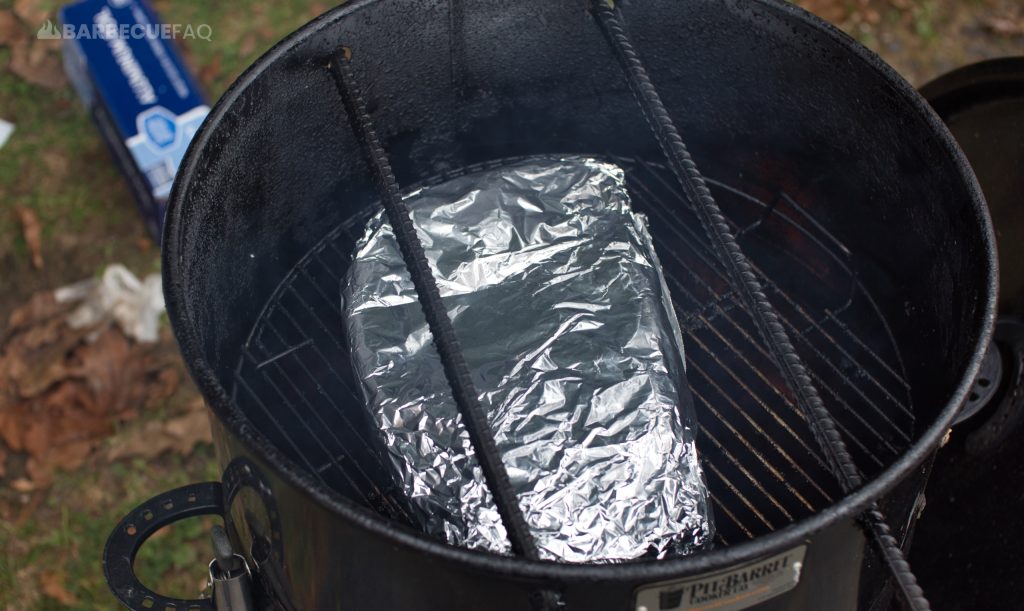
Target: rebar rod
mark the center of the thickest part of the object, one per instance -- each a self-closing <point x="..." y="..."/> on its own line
<point x="455" y="368"/>
<point x="744" y="281"/>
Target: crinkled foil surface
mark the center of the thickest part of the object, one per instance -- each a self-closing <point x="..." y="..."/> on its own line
<point x="558" y="300"/>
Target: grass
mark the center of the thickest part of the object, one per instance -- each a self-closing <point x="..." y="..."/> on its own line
<point x="57" y="165"/>
<point x="64" y="537"/>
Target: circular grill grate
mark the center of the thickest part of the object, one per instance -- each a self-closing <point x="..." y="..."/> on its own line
<point x="763" y="467"/>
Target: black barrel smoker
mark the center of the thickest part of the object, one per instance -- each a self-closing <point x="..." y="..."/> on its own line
<point x="859" y="212"/>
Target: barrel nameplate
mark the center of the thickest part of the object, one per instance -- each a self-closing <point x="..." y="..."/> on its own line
<point x="735" y="588"/>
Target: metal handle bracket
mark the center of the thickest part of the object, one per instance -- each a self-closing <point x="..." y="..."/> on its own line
<point x="139" y="525"/>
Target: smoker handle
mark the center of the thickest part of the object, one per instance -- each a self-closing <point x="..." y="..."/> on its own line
<point x="140" y="524"/>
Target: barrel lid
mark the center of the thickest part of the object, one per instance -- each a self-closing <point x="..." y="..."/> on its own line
<point x="983" y="105"/>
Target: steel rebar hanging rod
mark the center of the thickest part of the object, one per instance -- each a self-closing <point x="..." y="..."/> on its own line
<point x="447" y="343"/>
<point x="748" y="287"/>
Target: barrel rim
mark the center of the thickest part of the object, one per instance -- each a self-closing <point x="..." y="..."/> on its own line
<point x="218" y="398"/>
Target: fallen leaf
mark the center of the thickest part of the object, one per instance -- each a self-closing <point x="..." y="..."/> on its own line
<point x="33" y="232"/>
<point x="197" y="404"/>
<point x="11" y="431"/>
<point x="834" y="11"/>
<point x="67" y="457"/>
<point x="30" y="507"/>
<point x="11" y="29"/>
<point x="209" y="72"/>
<point x="32" y="370"/>
<point x="316" y="9"/>
<point x="38" y="336"/>
<point x="52" y="585"/>
<point x="23" y="484"/>
<point x="247" y="45"/>
<point x="36" y="439"/>
<point x="162" y="387"/>
<point x="266" y="33"/>
<point x="1006" y="26"/>
<point x="114" y="372"/>
<point x="63" y="390"/>
<point x="40" y="307"/>
<point x="32" y="12"/>
<point x="56" y="163"/>
<point x="180" y="434"/>
<point x="38" y="63"/>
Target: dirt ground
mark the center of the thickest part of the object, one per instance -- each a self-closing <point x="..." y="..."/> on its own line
<point x="65" y="214"/>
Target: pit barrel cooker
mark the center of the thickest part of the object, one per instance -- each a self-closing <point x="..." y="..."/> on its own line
<point x="856" y="208"/>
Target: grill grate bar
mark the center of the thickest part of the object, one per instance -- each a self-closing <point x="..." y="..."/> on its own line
<point x="318" y="439"/>
<point x="815" y="325"/>
<point x="708" y="379"/>
<point x="281" y="355"/>
<point x="761" y="459"/>
<point x="240" y="381"/>
<point x="337" y="377"/>
<point x="833" y="317"/>
<point x="312" y="408"/>
<point x="776" y="391"/>
<point x="656" y="171"/>
<point x="856" y="389"/>
<point x="720" y="509"/>
<point x="690" y="243"/>
<point x="736" y="491"/>
<point x="755" y="482"/>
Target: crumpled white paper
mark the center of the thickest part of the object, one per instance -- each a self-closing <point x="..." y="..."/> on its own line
<point x="119" y="295"/>
<point x="6" y="129"/>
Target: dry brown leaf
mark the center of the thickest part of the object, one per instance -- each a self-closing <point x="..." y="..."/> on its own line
<point x="209" y="72"/>
<point x="11" y="431"/>
<point x="37" y="62"/>
<point x="197" y="404"/>
<point x="162" y="387"/>
<point x="29" y="508"/>
<point x="266" y="33"/>
<point x="32" y="369"/>
<point x="247" y="45"/>
<point x="1006" y="26"/>
<point x="62" y="416"/>
<point x="152" y="439"/>
<point x="11" y="29"/>
<point x="56" y="163"/>
<point x="67" y="457"/>
<point x="32" y="12"/>
<point x="120" y="373"/>
<point x="42" y="335"/>
<point x="40" y="307"/>
<point x="52" y="585"/>
<point x="32" y="230"/>
<point x="316" y="9"/>
<point x="60" y="394"/>
<point x="834" y="11"/>
<point x="23" y="484"/>
<point x="36" y="439"/>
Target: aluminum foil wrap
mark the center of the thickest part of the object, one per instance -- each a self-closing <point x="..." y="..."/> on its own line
<point x="558" y="300"/>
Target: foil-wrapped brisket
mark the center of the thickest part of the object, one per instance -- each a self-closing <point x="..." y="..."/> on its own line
<point x="558" y="300"/>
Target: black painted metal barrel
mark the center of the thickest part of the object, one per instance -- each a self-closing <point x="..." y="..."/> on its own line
<point x="858" y="211"/>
